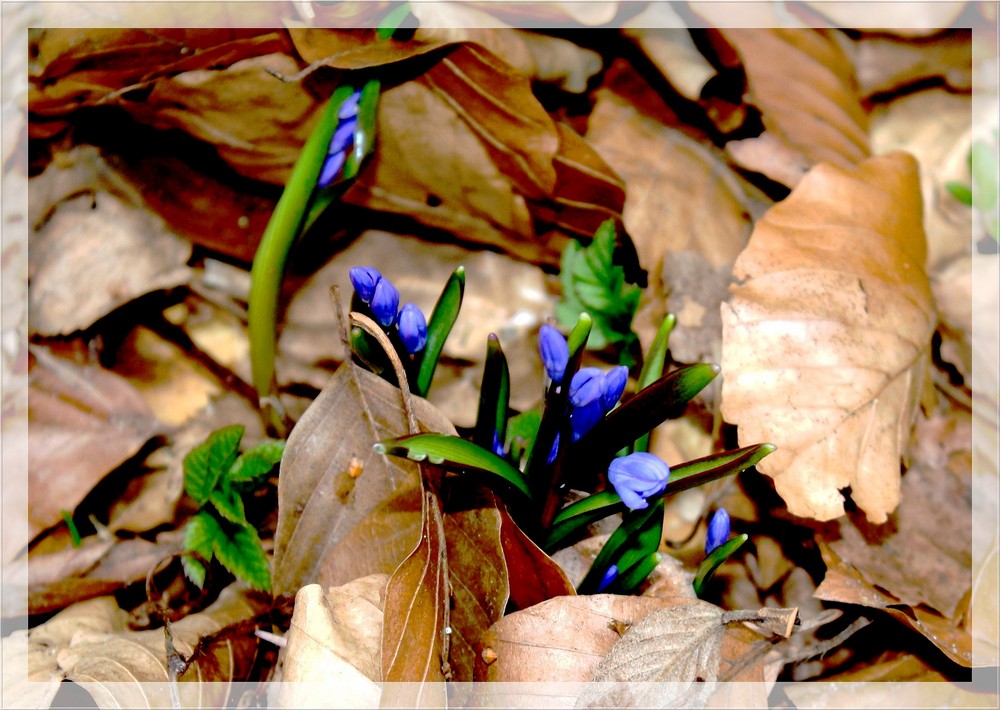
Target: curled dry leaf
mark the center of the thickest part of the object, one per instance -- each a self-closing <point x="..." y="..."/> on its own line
<point x="826" y="340"/>
<point x="804" y="85"/>
<point x="85" y="421"/>
<point x="921" y="20"/>
<point x="332" y="656"/>
<point x="122" y="668"/>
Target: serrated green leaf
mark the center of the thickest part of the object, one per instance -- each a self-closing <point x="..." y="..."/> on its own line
<point x="229" y="504"/>
<point x="712" y="561"/>
<point x="682" y="477"/>
<point x="256" y="462"/>
<point x="240" y="551"/>
<point x="200" y="535"/>
<point x="454" y="453"/>
<point x="207" y="462"/>
<point x="439" y="326"/>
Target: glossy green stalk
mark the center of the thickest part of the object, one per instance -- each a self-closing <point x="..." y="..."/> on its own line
<point x="652" y="368"/>
<point x="494" y="396"/>
<point x="442" y="320"/>
<point x="637" y="537"/>
<point x="712" y="561"/>
<point x="629" y="579"/>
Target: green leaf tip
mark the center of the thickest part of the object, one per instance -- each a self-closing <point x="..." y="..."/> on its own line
<point x="380" y="449"/>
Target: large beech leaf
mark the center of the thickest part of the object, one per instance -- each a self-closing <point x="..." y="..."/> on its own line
<point x="826" y="340"/>
<point x="804" y="85"/>
<point x="330" y="479"/>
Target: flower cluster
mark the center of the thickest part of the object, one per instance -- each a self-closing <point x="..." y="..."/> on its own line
<point x="592" y="394"/>
<point x="342" y="142"/>
<point x="378" y="293"/>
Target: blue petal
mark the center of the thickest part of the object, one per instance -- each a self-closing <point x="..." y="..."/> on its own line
<point x="331" y="168"/>
<point x="365" y="279"/>
<point x="385" y="302"/>
<point x="614" y="384"/>
<point x="412" y="328"/>
<point x="610" y="575"/>
<point x="718" y="530"/>
<point x="586" y="386"/>
<point x="554" y="351"/>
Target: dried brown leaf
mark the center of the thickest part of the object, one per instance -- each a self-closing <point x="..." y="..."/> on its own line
<point x="85" y="421"/>
<point x="122" y="668"/>
<point x="804" y="85"/>
<point x="332" y="656"/>
<point x="921" y="20"/>
<point x="319" y="502"/>
<point x="826" y="342"/>
<point x="887" y="64"/>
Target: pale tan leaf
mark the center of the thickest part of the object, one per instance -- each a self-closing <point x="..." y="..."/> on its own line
<point x="31" y="676"/>
<point x="804" y="85"/>
<point x="919" y="19"/>
<point x="886" y="64"/>
<point x="826" y="340"/>
<point x="96" y="251"/>
<point x="331" y="659"/>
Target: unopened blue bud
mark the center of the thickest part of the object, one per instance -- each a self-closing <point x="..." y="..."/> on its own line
<point x="586" y="387"/>
<point x="555" y="352"/>
<point x="718" y="530"/>
<point x="610" y="575"/>
<point x="582" y="419"/>
<point x="554" y="452"/>
<point x="349" y="108"/>
<point x="638" y="476"/>
<point x="498" y="445"/>
<point x="385" y="302"/>
<point x="365" y="279"/>
<point x="331" y="168"/>
<point x="343" y="137"/>
<point x="614" y="384"/>
<point x="412" y="328"/>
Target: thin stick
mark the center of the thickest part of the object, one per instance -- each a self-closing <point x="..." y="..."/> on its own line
<point x="373" y="329"/>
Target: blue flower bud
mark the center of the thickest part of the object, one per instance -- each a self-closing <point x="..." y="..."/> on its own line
<point x="498" y="445"/>
<point x="582" y="419"/>
<point x="331" y="168"/>
<point x="586" y="387"/>
<point x="365" y="279"/>
<point x="412" y="328"/>
<point x="718" y="530"/>
<point x="343" y="137"/>
<point x="385" y="302"/>
<point x="614" y="384"/>
<point x="610" y="575"/>
<point x="638" y="476"/>
<point x="554" y="351"/>
<point x="554" y="452"/>
<point x="349" y="108"/>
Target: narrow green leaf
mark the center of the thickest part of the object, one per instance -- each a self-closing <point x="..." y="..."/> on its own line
<point x="690" y="474"/>
<point x="256" y="462"/>
<point x="494" y="396"/>
<point x="207" y="462"/>
<point x="629" y="580"/>
<point x="711" y="562"/>
<point x="960" y="191"/>
<point x="392" y="20"/>
<point x="438" y="327"/>
<point x="229" y="504"/>
<point x="652" y="368"/>
<point x="451" y="452"/>
<point x="279" y="235"/>
<point x="74" y="533"/>
<point x="200" y="535"/>
<point x="637" y="537"/>
<point x="663" y="399"/>
<point x="241" y="552"/>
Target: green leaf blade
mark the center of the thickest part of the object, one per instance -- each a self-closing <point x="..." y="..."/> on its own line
<point x="453" y="452"/>
<point x="439" y="326"/>
<point x="241" y="552"/>
<point x="256" y="462"/>
<point x="206" y="463"/>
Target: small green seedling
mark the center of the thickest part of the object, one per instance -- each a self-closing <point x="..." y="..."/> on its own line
<point x="592" y="283"/>
<point x="217" y="477"/>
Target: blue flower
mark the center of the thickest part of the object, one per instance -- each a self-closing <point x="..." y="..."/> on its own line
<point x="365" y="279"/>
<point x="614" y="384"/>
<point x="554" y="352"/>
<point x="412" y="328"/>
<point x="498" y="445"/>
<point x="718" y="530"/>
<point x="583" y="419"/>
<point x="586" y="386"/>
<point x="555" y="450"/>
<point x="385" y="302"/>
<point x="610" y="575"/>
<point x="637" y="477"/>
